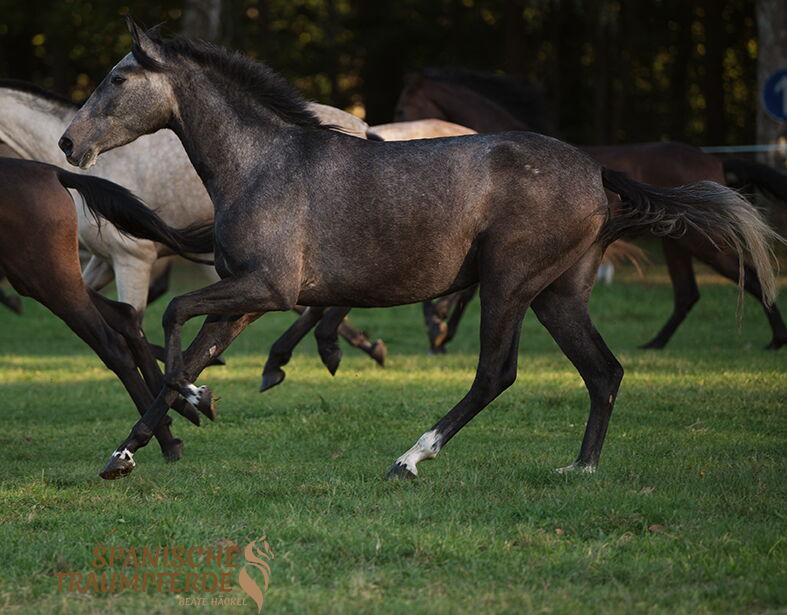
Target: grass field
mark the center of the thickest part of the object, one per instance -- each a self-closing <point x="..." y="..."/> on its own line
<point x="685" y="515"/>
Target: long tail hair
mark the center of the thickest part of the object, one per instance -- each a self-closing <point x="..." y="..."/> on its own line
<point x="719" y="214"/>
<point x="741" y="173"/>
<point x="107" y="200"/>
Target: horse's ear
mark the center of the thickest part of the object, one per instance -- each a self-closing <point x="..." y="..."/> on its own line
<point x="142" y="40"/>
<point x="154" y="33"/>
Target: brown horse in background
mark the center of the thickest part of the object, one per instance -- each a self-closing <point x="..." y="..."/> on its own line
<point x="39" y="253"/>
<point x="443" y="94"/>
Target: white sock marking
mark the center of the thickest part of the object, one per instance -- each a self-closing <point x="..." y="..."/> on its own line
<point x="427" y="447"/>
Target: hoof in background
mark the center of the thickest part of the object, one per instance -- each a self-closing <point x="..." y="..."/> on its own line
<point x="399" y="471"/>
<point x="379" y="352"/>
<point x="120" y="464"/>
<point x="271" y="379"/>
<point x="173" y="450"/>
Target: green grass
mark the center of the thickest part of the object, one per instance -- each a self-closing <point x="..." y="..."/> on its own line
<point x="685" y="515"/>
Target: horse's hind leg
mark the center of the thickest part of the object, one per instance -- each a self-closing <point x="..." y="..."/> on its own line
<point x="463" y="299"/>
<point x="684" y="288"/>
<point x="726" y="263"/>
<point x="360" y="339"/>
<point x="562" y="309"/>
<point x="502" y="311"/>
<point x="281" y="351"/>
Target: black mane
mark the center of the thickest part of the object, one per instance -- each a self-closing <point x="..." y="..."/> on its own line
<point x="32" y="88"/>
<point x="255" y="79"/>
<point x="524" y="103"/>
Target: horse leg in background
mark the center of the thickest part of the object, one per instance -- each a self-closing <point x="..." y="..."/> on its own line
<point x="281" y="351"/>
<point x="160" y="276"/>
<point x="726" y="263"/>
<point x="504" y="301"/>
<point x="327" y="337"/>
<point x="123" y="319"/>
<point x="216" y="334"/>
<point x="435" y="313"/>
<point x="360" y="339"/>
<point x="97" y="273"/>
<point x="12" y="302"/>
<point x="563" y="309"/>
<point x="684" y="289"/>
<point x="86" y="321"/>
<point x="461" y="301"/>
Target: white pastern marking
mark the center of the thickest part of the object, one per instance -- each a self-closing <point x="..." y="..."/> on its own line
<point x="125" y="455"/>
<point x="195" y="394"/>
<point x="212" y="351"/>
<point x="427" y="447"/>
<point x="577" y="467"/>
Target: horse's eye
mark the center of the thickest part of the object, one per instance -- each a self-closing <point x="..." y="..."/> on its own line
<point x="117" y="79"/>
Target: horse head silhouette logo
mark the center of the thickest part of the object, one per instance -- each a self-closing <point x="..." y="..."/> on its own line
<point x="256" y="556"/>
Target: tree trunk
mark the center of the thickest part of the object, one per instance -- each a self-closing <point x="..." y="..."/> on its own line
<point x="772" y="54"/>
<point x="202" y="19"/>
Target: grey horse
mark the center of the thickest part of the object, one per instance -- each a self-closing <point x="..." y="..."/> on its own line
<point x="524" y="215"/>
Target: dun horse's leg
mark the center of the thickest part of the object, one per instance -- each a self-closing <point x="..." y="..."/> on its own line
<point x="684" y="288"/>
<point x="12" y="302"/>
<point x="727" y="265"/>
<point x="501" y="321"/>
<point x="562" y="309"/>
<point x="281" y="351"/>
<point x="463" y="299"/>
<point x="326" y="334"/>
<point x="216" y="334"/>
<point x="360" y="339"/>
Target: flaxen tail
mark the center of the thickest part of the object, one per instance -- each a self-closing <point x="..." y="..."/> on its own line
<point x="719" y="214"/>
<point x="131" y="216"/>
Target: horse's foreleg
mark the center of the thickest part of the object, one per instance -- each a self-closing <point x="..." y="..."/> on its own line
<point x="462" y="300"/>
<point x="281" y="351"/>
<point x="684" y="288"/>
<point x="97" y="273"/>
<point x="216" y="334"/>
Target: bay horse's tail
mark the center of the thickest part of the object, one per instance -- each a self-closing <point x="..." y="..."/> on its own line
<point x="717" y="213"/>
<point x="107" y="200"/>
<point x="741" y="173"/>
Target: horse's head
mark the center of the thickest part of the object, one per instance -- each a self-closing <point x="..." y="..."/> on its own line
<point x="134" y="99"/>
<point x="414" y="102"/>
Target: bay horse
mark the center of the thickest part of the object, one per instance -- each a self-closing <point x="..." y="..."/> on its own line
<point x="40" y="256"/>
<point x="498" y="103"/>
<point x="154" y="168"/>
<point x="524" y="215"/>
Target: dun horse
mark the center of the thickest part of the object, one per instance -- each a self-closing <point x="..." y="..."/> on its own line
<point x="39" y="254"/>
<point x="497" y="103"/>
<point x="524" y="215"/>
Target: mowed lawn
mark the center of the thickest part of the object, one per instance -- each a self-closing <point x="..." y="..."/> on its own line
<point x="685" y="515"/>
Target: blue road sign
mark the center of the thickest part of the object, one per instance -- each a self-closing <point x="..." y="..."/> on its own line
<point x="774" y="95"/>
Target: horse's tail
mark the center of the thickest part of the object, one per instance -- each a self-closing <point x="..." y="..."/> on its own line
<point x="719" y="214"/>
<point x="131" y="216"/>
<point x="741" y="173"/>
<point x="620" y="251"/>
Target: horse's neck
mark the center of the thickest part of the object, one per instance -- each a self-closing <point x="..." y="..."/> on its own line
<point x="222" y="145"/>
<point x="32" y="126"/>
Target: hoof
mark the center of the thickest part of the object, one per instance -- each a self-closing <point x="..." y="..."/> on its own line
<point x="14" y="303"/>
<point x="436" y="350"/>
<point x="120" y="464"/>
<point x="775" y="344"/>
<point x="206" y="403"/>
<point x="651" y="346"/>
<point x="271" y="379"/>
<point x="379" y="352"/>
<point x="437" y="331"/>
<point x="331" y="358"/>
<point x="399" y="471"/>
<point x="173" y="451"/>
<point x="577" y="468"/>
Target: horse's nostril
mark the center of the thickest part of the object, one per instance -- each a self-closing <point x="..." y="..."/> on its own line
<point x="66" y="145"/>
